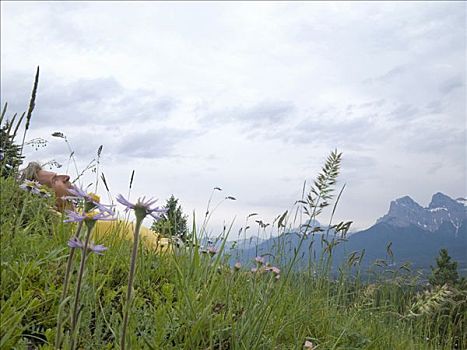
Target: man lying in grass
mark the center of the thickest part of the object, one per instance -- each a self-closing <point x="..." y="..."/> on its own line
<point x="61" y="186"/>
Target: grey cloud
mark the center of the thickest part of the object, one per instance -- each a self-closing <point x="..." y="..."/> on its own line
<point x="403" y="112"/>
<point x="451" y="84"/>
<point x="372" y="104"/>
<point x="152" y="144"/>
<point x="83" y="143"/>
<point x="329" y="126"/>
<point x="263" y="114"/>
<point x="86" y="101"/>
<point x="117" y="143"/>
<point x="437" y="141"/>
<point x="382" y="27"/>
<point x="358" y="168"/>
<point x="434" y="107"/>
<point x="358" y="161"/>
<point x="389" y="76"/>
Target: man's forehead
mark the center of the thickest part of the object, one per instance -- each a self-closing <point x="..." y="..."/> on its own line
<point x="45" y="172"/>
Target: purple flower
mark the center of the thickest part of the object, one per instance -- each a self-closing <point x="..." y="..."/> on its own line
<point x="275" y="270"/>
<point x="212" y="250"/>
<point x="91" y="199"/>
<point x="259" y="260"/>
<point x="78" y="192"/>
<point x="89" y="216"/>
<point x="142" y="207"/>
<point x="75" y="242"/>
<point x="254" y="270"/>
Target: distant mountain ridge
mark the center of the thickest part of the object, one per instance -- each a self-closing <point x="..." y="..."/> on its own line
<point x="414" y="233"/>
<point x="404" y="212"/>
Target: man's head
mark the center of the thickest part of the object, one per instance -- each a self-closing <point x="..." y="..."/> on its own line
<point x="60" y="184"/>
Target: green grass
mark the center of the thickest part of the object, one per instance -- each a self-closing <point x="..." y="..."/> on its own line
<point x="189" y="300"/>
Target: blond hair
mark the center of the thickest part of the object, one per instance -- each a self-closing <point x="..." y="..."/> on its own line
<point x="30" y="172"/>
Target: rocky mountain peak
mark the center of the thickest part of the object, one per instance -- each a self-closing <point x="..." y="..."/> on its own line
<point x="405" y="211"/>
<point x="440" y="200"/>
<point x="406" y="200"/>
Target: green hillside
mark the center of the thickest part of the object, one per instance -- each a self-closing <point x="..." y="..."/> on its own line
<point x="193" y="300"/>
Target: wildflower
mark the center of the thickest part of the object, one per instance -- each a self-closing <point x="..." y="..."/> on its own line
<point x="91" y="200"/>
<point x="259" y="260"/>
<point x="142" y="207"/>
<point x="275" y="270"/>
<point x="237" y="266"/>
<point x="212" y="250"/>
<point x="87" y="217"/>
<point x="254" y="270"/>
<point x="308" y="345"/>
<point x="277" y="277"/>
<point x="30" y="186"/>
<point x="75" y="242"/>
<point x="35" y="188"/>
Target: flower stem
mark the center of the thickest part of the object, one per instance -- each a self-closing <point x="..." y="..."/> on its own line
<point x="131" y="276"/>
<point x="74" y="319"/>
<point x="20" y="219"/>
<point x="66" y="282"/>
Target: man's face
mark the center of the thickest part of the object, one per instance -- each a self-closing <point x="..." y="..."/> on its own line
<point x="59" y="183"/>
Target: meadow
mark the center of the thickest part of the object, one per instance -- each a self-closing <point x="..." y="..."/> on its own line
<point x="191" y="297"/>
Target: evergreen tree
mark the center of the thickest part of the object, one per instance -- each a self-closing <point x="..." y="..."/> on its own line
<point x="10" y="153"/>
<point x="174" y="223"/>
<point x="445" y="271"/>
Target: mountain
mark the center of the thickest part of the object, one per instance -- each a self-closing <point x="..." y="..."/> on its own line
<point x="404" y="212"/>
<point x="413" y="234"/>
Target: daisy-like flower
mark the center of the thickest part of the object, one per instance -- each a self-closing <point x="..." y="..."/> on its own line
<point x="30" y="186"/>
<point x="90" y="216"/>
<point x="275" y="270"/>
<point x="212" y="250"/>
<point x="143" y="207"/>
<point x="259" y="260"/>
<point x="91" y="200"/>
<point x="75" y="242"/>
<point x="254" y="269"/>
<point x="237" y="266"/>
<point x="35" y="188"/>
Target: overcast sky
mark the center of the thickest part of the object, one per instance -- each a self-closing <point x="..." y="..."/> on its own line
<point x="248" y="97"/>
